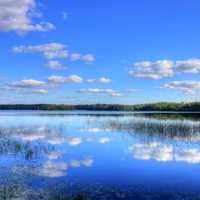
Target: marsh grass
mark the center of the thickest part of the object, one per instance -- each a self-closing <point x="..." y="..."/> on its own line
<point x="10" y="144"/>
<point x="179" y="129"/>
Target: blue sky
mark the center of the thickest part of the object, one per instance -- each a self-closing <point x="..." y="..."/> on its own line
<point x="74" y="51"/>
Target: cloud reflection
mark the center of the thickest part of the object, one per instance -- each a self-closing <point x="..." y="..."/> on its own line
<point x="53" y="155"/>
<point x="55" y="169"/>
<point x="153" y="150"/>
<point x="189" y="156"/>
<point x="104" y="140"/>
<point x="78" y="163"/>
<point x="95" y="130"/>
<point x="164" y="152"/>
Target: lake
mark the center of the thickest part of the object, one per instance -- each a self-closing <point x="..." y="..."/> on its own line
<point x="99" y="155"/>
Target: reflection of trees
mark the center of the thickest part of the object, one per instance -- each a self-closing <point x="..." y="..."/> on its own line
<point x="171" y="116"/>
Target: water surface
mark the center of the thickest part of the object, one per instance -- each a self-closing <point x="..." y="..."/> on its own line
<point x="99" y="155"/>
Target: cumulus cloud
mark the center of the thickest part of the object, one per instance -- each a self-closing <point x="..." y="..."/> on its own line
<point x="27" y="83"/>
<point x="52" y="52"/>
<point x="27" y="86"/>
<point x="188" y="66"/>
<point x="88" y="58"/>
<point x="100" y="91"/>
<point x="187" y="87"/>
<point x="17" y="16"/>
<point x="49" y="51"/>
<point x="55" y="64"/>
<point x="152" y="70"/>
<point x="164" y="68"/>
<point x="99" y="80"/>
<point x="61" y="79"/>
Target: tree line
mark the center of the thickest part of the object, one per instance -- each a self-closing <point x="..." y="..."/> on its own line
<point x="160" y="106"/>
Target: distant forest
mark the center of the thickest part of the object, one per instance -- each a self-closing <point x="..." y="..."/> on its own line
<point x="161" y="106"/>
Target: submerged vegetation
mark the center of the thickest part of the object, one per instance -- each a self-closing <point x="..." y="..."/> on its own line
<point x="161" y="106"/>
<point x="14" y="191"/>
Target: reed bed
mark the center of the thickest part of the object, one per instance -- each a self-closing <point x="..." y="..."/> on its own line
<point x="169" y="128"/>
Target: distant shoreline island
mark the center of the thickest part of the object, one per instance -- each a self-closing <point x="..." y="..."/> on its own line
<point x="160" y="106"/>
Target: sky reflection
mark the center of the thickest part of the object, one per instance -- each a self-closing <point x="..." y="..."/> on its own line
<point x="164" y="152"/>
<point x="108" y="150"/>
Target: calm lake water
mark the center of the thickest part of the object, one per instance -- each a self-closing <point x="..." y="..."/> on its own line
<point x="99" y="155"/>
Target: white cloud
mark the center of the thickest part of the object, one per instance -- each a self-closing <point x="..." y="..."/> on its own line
<point x="132" y="90"/>
<point x="152" y="70"/>
<point x="40" y="91"/>
<point x="17" y="16"/>
<point x="27" y="83"/>
<point x="56" y="79"/>
<point x="55" y="64"/>
<point x="27" y="86"/>
<point x="52" y="52"/>
<point x="61" y="79"/>
<point x="164" y="68"/>
<point x="75" y="56"/>
<point x="99" y="80"/>
<point x="187" y="87"/>
<point x="188" y="66"/>
<point x="88" y="58"/>
<point x="73" y="79"/>
<point x="100" y="91"/>
<point x="49" y="51"/>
